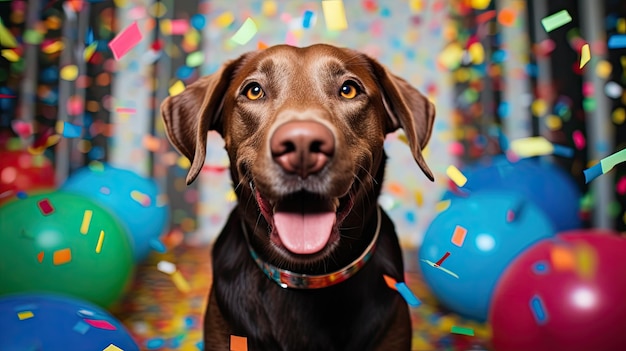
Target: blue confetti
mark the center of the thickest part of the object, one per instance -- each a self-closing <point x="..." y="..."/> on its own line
<point x="593" y="172"/>
<point x="81" y="327"/>
<point x="198" y="21"/>
<point x="407" y="294"/>
<point x="306" y="20"/>
<point x="541" y="268"/>
<point x="538" y="309"/>
<point x="617" y="41"/>
<point x="563" y="151"/>
<point x="157" y="246"/>
<point x="71" y="130"/>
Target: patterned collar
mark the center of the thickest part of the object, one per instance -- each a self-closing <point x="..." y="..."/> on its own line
<point x="287" y="279"/>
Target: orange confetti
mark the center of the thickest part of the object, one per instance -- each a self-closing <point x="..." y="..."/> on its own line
<point x="62" y="256"/>
<point x="562" y="258"/>
<point x="391" y="283"/>
<point x="458" y="237"/>
<point x="238" y="343"/>
<point x="40" y="257"/>
<point x="506" y="17"/>
<point x="261" y="45"/>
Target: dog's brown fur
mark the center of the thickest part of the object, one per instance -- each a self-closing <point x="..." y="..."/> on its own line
<point x="361" y="313"/>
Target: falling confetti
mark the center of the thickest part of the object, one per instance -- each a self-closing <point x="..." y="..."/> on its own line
<point x="407" y="294"/>
<point x="238" y="343"/>
<point x="245" y="33"/>
<point x="456" y="176"/>
<point x="335" y="15"/>
<point x="125" y="40"/>
<point x="585" y="55"/>
<point x="604" y="166"/>
<point x="556" y="20"/>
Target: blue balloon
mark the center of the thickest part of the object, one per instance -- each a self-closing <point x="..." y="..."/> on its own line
<point x="134" y="199"/>
<point x="473" y="241"/>
<point x="544" y="184"/>
<point x="56" y="322"/>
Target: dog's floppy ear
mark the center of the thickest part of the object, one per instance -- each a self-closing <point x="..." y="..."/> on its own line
<point x="408" y="109"/>
<point x="189" y="115"/>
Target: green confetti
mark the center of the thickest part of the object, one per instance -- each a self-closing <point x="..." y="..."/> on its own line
<point x="195" y="59"/>
<point x="463" y="331"/>
<point x="609" y="162"/>
<point x="245" y="33"/>
<point x="32" y="37"/>
<point x="6" y="38"/>
<point x="556" y="20"/>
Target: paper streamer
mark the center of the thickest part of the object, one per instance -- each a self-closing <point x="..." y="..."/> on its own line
<point x="604" y="166"/>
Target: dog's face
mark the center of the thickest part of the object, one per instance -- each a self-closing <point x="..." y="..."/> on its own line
<point x="304" y="130"/>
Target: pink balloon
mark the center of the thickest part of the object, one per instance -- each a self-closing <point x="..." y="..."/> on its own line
<point x="563" y="293"/>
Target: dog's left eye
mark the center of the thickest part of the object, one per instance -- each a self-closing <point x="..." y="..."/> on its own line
<point x="253" y="91"/>
<point x="349" y="90"/>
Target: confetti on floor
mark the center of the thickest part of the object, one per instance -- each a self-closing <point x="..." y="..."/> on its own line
<point x="556" y="20"/>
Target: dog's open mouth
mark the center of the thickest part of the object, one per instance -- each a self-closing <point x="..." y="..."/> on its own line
<point x="302" y="222"/>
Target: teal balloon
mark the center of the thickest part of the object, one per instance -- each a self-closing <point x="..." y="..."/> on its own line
<point x="477" y="237"/>
<point x="57" y="322"/>
<point x="134" y="199"/>
<point x="65" y="243"/>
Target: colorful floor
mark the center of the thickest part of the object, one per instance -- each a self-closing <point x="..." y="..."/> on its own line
<point x="164" y="312"/>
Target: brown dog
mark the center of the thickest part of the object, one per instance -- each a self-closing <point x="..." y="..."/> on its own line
<point x="300" y="262"/>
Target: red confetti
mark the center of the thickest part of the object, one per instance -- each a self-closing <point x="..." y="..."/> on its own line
<point x="45" y="207"/>
<point x="40" y="257"/>
<point x="391" y="283"/>
<point x="438" y="263"/>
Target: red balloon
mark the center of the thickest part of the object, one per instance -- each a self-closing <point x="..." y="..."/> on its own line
<point x="22" y="171"/>
<point x="563" y="293"/>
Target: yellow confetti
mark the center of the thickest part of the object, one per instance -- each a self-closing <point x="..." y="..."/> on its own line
<point x="334" y="14"/>
<point x="10" y="55"/>
<point x="180" y="282"/>
<point x="183" y="162"/>
<point x="53" y="47"/>
<point x="480" y="4"/>
<point x="177" y="88"/>
<point x="89" y="51"/>
<point x="442" y="205"/>
<point x="25" y="315"/>
<point x="69" y="72"/>
<point x="269" y="8"/>
<point x="416" y="5"/>
<point x="539" y="108"/>
<point x="112" y="347"/>
<point x="532" y="146"/>
<point x="224" y="20"/>
<point x="585" y="55"/>
<point x="419" y="198"/>
<point x="6" y="38"/>
<point x="586" y="261"/>
<point x="604" y="69"/>
<point x="84" y="227"/>
<point x="100" y="241"/>
<point x="456" y="176"/>
<point x="477" y="53"/>
<point x="451" y="56"/>
<point x="619" y="116"/>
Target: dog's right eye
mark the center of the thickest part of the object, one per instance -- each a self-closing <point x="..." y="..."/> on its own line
<point x="253" y="91"/>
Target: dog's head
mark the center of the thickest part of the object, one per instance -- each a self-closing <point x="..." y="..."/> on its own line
<point x="304" y="130"/>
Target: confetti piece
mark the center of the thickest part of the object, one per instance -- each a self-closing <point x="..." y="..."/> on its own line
<point x="166" y="267"/>
<point x="62" y="256"/>
<point x="391" y="283"/>
<point x="10" y="55"/>
<point x="7" y="96"/>
<point x="538" y="309"/>
<point x="141" y="198"/>
<point x="195" y="59"/>
<point x="617" y="41"/>
<point x="100" y="241"/>
<point x="562" y="258"/>
<point x="81" y="327"/>
<point x="100" y="324"/>
<point x="179" y="26"/>
<point x="456" y="176"/>
<point x="112" y="347"/>
<point x="25" y="315"/>
<point x="563" y="151"/>
<point x="69" y="72"/>
<point x="52" y="47"/>
<point x="69" y="130"/>
<point x="306" y="19"/>
<point x="579" y="139"/>
<point x="480" y="4"/>
<point x="151" y="143"/>
<point x="458" y="237"/>
<point x="245" y="33"/>
<point x="540" y="267"/>
<point x="84" y="227"/>
<point x="89" y="51"/>
<point x="45" y="207"/>
<point x="442" y="205"/>
<point x="6" y="38"/>
<point x="157" y="245"/>
<point x="224" y="20"/>
<point x="532" y="146"/>
<point x="443" y="258"/>
<point x="507" y="17"/>
<point x="177" y="88"/>
<point x="334" y="14"/>
<point x="434" y="265"/>
<point x="126" y="110"/>
<point x="585" y="56"/>
<point x="462" y="331"/>
<point x="407" y="294"/>
<point x="586" y="261"/>
<point x="605" y="165"/>
<point x="125" y="41"/>
<point x="556" y="20"/>
<point x="238" y="343"/>
<point x="180" y="282"/>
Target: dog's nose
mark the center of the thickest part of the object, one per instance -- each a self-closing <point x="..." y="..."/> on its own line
<point x="302" y="147"/>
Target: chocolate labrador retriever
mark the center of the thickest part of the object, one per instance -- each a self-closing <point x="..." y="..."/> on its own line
<point x="299" y="264"/>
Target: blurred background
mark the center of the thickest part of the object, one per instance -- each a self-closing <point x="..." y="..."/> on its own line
<point x="530" y="101"/>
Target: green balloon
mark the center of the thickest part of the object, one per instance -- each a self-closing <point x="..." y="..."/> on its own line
<point x="65" y="243"/>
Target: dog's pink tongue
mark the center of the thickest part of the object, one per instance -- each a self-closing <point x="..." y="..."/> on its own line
<point x="304" y="234"/>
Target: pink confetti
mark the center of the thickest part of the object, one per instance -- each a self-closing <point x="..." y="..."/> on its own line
<point x="100" y="324"/>
<point x="621" y="186"/>
<point x="579" y="139"/>
<point x="21" y="128"/>
<point x="125" y="40"/>
<point x="179" y="26"/>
